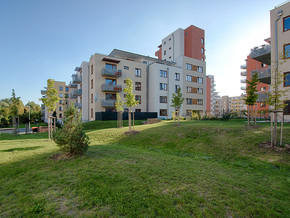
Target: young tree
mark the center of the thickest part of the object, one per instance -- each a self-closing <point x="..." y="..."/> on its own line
<point x="252" y="95"/>
<point x="71" y="138"/>
<point x="130" y="99"/>
<point x="119" y="107"/>
<point x="50" y="101"/>
<point x="14" y="110"/>
<point x="177" y="101"/>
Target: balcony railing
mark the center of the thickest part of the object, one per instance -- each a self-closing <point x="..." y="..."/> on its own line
<point x="72" y="85"/>
<point x="244" y="66"/>
<point x="264" y="75"/>
<point x="76" y="79"/>
<point x="78" y="105"/>
<point x="73" y="96"/>
<point x="43" y="92"/>
<point x="77" y="92"/>
<point x="243" y="87"/>
<point x="243" y="73"/>
<point x="108" y="103"/>
<point x="111" y="73"/>
<point x="262" y="54"/>
<point x="262" y="97"/>
<point x="111" y="88"/>
<point x="243" y="80"/>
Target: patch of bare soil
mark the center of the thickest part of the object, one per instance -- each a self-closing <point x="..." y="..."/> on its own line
<point x="252" y="127"/>
<point x="132" y="132"/>
<point x="65" y="156"/>
<point x="267" y="145"/>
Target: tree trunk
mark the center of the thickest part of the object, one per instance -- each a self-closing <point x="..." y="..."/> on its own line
<point x="252" y="122"/>
<point x="178" y="118"/>
<point x="248" y="115"/>
<point x="129" y="120"/>
<point x="282" y="123"/>
<point x="271" y="114"/>
<point x="133" y="121"/>
<point x="48" y="122"/>
<point x="255" y="115"/>
<point x="275" y="128"/>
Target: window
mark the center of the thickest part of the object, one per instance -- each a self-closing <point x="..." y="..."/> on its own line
<point x="138" y="98"/>
<point x="66" y="95"/>
<point x="60" y="95"/>
<point x="163" y="86"/>
<point x="169" y="57"/>
<point x="92" y="113"/>
<point x="189" y="101"/>
<point x="163" y="73"/>
<point x="287" y="108"/>
<point x="110" y="96"/>
<point x="92" y="98"/>
<point x="111" y="67"/>
<point x="287" y="51"/>
<point x="60" y="101"/>
<point x="92" y="69"/>
<point x="126" y="67"/>
<point x="164" y="43"/>
<point x="176" y="88"/>
<point x="169" y="39"/>
<point x="200" y="69"/>
<point x="199" y="80"/>
<point x="263" y="104"/>
<point x="60" y="108"/>
<point x="188" y="66"/>
<point x="66" y="89"/>
<point x="286" y="23"/>
<point x="202" y="40"/>
<point x="287" y="79"/>
<point x="169" y="48"/>
<point x="164" y="52"/>
<point x="263" y="88"/>
<point x="199" y="91"/>
<point x="163" y="112"/>
<point x="137" y="72"/>
<point x="137" y="110"/>
<point x="163" y="99"/>
<point x="60" y="115"/>
<point x="60" y="88"/>
<point x="202" y="50"/>
<point x="177" y="76"/>
<point x="92" y="83"/>
<point x="189" y="89"/>
<point x="202" y="59"/>
<point x="137" y="86"/>
<point x="199" y="101"/>
<point x="110" y="81"/>
<point x="188" y="78"/>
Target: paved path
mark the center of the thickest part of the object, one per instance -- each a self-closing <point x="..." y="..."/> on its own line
<point x="10" y="130"/>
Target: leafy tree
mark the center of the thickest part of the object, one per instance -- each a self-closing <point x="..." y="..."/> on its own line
<point x="252" y="95"/>
<point x="119" y="107"/>
<point x="177" y="101"/>
<point x="50" y="101"/>
<point x="130" y="99"/>
<point x="14" y="110"/>
<point x="71" y="138"/>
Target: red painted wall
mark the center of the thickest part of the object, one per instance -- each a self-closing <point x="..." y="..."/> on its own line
<point x="208" y="94"/>
<point x="192" y="42"/>
<point x="159" y="53"/>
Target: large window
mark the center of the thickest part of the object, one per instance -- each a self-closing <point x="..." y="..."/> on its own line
<point x="110" y="96"/>
<point x="137" y="72"/>
<point x="189" y="101"/>
<point x="138" y="98"/>
<point x="163" y="86"/>
<point x="61" y="95"/>
<point x="200" y="69"/>
<point x="163" y="99"/>
<point x="287" y="107"/>
<point x="61" y="88"/>
<point x="163" y="73"/>
<point x="138" y="86"/>
<point x="199" y="80"/>
<point x="188" y="66"/>
<point x="176" y="88"/>
<point x="163" y="112"/>
<point x="286" y="23"/>
<point x="199" y="91"/>
<point x="111" y="81"/>
<point x="177" y="76"/>
<point x="287" y="79"/>
<point x="189" y="89"/>
<point x="287" y="51"/>
<point x="188" y="78"/>
<point x="111" y="67"/>
<point x="199" y="101"/>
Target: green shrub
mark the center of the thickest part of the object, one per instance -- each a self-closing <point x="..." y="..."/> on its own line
<point x="71" y="138"/>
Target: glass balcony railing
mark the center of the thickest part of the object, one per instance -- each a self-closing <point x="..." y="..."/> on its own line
<point x="243" y="73"/>
<point x="111" y="88"/>
<point x="76" y="79"/>
<point x="264" y="75"/>
<point x="77" y="92"/>
<point x="111" y="72"/>
<point x="108" y="103"/>
<point x="262" y="54"/>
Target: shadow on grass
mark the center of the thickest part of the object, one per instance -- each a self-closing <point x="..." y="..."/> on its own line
<point x="7" y="136"/>
<point x="22" y="149"/>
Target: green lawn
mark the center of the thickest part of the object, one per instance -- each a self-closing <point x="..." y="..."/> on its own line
<point x="201" y="168"/>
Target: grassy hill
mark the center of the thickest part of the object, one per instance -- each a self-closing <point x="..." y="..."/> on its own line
<point x="201" y="168"/>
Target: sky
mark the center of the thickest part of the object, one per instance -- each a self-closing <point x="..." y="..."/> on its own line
<point x="47" y="39"/>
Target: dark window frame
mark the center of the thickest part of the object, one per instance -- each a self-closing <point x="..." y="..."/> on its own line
<point x="284" y="53"/>
<point x="284" y="79"/>
<point x="288" y="17"/>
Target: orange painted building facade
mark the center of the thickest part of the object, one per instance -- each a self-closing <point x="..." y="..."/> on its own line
<point x="194" y="43"/>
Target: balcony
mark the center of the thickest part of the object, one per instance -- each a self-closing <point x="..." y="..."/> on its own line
<point x="262" y="97"/>
<point x="78" y="105"/>
<point x="264" y="75"/>
<point x="77" y="92"/>
<point x="43" y="92"/>
<point x="111" y="73"/>
<point x="244" y="73"/>
<point x="76" y="79"/>
<point x="243" y="81"/>
<point x="262" y="54"/>
<point x="243" y="87"/>
<point x="72" y="85"/>
<point x="73" y="96"/>
<point x="108" y="103"/>
<point x="111" y="88"/>
<point x="244" y="66"/>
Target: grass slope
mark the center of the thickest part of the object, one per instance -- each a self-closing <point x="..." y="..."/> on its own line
<point x="201" y="168"/>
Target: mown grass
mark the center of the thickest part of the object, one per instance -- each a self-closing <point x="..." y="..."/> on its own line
<point x="201" y="168"/>
<point x="95" y="125"/>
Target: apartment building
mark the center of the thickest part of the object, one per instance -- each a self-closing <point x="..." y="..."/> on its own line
<point x="237" y="104"/>
<point x="268" y="57"/>
<point x="210" y="95"/>
<point x="63" y="94"/>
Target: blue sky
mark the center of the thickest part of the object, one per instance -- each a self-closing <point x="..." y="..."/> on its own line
<point x="48" y="39"/>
